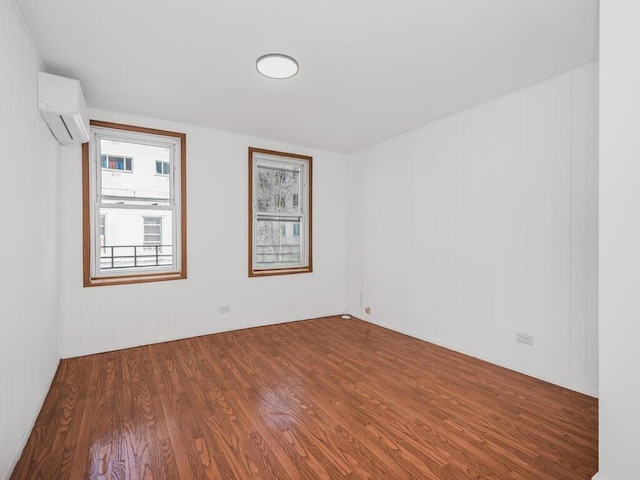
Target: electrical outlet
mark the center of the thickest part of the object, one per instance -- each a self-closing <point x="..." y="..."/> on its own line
<point x="224" y="309"/>
<point x="524" y="338"/>
<point x="367" y="310"/>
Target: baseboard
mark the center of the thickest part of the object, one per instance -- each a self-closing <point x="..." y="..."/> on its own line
<point x="170" y="338"/>
<point x="597" y="476"/>
<point x="30" y="425"/>
<point x="456" y="348"/>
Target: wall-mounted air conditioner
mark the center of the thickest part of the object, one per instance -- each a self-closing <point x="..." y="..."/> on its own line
<point x="62" y="105"/>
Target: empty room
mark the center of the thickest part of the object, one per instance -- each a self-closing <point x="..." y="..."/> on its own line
<point x="331" y="240"/>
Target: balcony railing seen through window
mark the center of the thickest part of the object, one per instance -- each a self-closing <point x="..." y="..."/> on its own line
<point x="278" y="255"/>
<point x="113" y="257"/>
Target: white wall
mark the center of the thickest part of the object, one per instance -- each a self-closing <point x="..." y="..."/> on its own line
<point x="484" y="224"/>
<point x="106" y="318"/>
<point x="619" y="240"/>
<point x="29" y="339"/>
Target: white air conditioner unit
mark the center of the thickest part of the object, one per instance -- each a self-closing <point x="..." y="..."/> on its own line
<point x="62" y="105"/>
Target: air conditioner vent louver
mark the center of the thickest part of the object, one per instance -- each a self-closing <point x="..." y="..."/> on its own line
<point x="62" y="106"/>
<point x="65" y="126"/>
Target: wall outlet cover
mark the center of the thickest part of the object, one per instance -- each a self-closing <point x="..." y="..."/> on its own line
<point x="524" y="338"/>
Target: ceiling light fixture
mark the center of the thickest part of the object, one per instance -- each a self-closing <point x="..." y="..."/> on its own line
<point x="277" y="65"/>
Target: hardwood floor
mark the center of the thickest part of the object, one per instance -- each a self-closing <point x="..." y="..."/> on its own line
<point x="317" y="399"/>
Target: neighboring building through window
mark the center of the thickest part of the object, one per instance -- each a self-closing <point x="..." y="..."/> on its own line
<point x="280" y="208"/>
<point x="143" y="212"/>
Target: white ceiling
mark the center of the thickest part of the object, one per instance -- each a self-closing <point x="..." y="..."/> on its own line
<point x="369" y="69"/>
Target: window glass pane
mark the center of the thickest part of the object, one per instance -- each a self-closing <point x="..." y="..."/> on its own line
<point x="278" y="187"/>
<point x="116" y="163"/>
<point x="113" y="162"/>
<point x="121" y="183"/>
<point x="277" y="245"/>
<point x="136" y="239"/>
<point x="162" y="168"/>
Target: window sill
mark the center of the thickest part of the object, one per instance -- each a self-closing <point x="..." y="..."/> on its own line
<point x="130" y="279"/>
<point x="116" y="170"/>
<point x="279" y="271"/>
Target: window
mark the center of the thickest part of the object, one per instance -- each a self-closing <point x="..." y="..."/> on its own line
<point x="162" y="168"/>
<point x="112" y="162"/>
<point x="280" y="213"/>
<point x="145" y="212"/>
<point x="152" y="234"/>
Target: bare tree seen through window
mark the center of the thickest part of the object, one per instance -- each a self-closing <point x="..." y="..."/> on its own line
<point x="278" y="189"/>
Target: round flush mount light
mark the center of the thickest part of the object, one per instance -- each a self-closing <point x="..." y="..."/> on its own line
<point x="277" y="65"/>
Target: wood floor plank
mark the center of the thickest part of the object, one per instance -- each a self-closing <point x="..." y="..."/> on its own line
<point x="319" y="399"/>
<point x="49" y="451"/>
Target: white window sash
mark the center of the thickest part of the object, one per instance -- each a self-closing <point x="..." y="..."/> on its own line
<point x="95" y="178"/>
<point x="303" y="199"/>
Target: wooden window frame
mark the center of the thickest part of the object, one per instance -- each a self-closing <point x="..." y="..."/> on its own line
<point x="308" y="216"/>
<point x="138" y="277"/>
